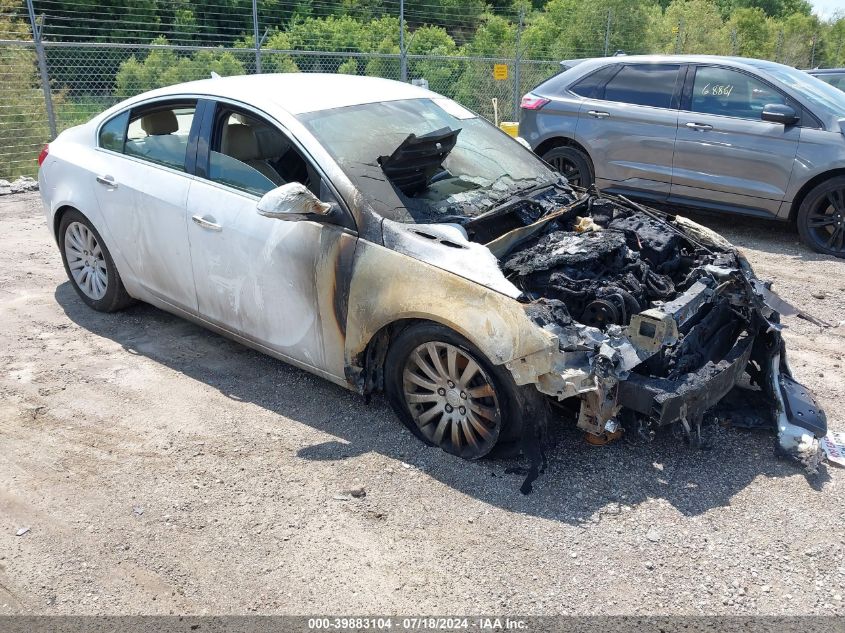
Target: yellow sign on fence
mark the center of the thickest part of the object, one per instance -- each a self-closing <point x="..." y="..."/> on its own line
<point x="500" y="71"/>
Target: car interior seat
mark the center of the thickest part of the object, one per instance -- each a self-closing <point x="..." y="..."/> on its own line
<point x="161" y="143"/>
<point x="254" y="147"/>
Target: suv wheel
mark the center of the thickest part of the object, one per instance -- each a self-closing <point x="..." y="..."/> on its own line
<point x="572" y="163"/>
<point x="821" y="218"/>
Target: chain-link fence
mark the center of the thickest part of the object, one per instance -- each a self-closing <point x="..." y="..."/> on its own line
<point x="87" y="78"/>
<point x="62" y="62"/>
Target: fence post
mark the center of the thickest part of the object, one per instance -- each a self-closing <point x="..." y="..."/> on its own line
<point x="255" y="35"/>
<point x="607" y="34"/>
<point x="813" y="52"/>
<point x="679" y="36"/>
<point x="42" y="69"/>
<point x="734" y="42"/>
<point x="403" y="54"/>
<point x="778" y="45"/>
<point x="517" y="62"/>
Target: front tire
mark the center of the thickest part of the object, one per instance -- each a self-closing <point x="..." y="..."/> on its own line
<point x="89" y="265"/>
<point x="449" y="395"/>
<point x="821" y="218"/>
<point x="572" y="163"/>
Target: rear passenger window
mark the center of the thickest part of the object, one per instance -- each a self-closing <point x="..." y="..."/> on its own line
<point x="731" y="93"/>
<point x="113" y="133"/>
<point x="643" y="84"/>
<point x="160" y="134"/>
<point x="590" y="85"/>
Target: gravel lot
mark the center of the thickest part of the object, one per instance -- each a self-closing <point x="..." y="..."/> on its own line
<point x="161" y="469"/>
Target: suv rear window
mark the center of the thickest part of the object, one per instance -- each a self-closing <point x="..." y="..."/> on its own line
<point x="643" y="84"/>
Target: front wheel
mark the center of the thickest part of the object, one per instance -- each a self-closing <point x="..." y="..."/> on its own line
<point x="89" y="265"/>
<point x="448" y="394"/>
<point x="821" y="218"/>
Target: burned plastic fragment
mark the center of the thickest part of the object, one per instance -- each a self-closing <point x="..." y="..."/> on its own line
<point x="418" y="159"/>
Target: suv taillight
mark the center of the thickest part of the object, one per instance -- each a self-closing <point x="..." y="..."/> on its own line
<point x="43" y="154"/>
<point x="532" y="102"/>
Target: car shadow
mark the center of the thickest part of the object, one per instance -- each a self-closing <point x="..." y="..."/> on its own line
<point x="581" y="484"/>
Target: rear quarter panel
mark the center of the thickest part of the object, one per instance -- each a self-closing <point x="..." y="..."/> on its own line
<point x="556" y="119"/>
<point x="67" y="179"/>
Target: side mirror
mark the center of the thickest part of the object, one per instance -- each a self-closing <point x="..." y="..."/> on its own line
<point x="293" y="201"/>
<point x="778" y="113"/>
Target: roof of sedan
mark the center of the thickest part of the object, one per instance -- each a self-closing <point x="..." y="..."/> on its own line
<point x="300" y="92"/>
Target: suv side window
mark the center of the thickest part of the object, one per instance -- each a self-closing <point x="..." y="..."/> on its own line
<point x="643" y="84"/>
<point x="159" y="133"/>
<point x="590" y="85"/>
<point x="253" y="155"/>
<point x="731" y="93"/>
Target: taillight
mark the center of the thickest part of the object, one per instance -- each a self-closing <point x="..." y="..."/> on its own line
<point x="43" y="154"/>
<point x="532" y="102"/>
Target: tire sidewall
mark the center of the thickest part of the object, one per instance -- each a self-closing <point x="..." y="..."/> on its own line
<point x="506" y="390"/>
<point x="808" y="204"/>
<point x="113" y="295"/>
<point x="576" y="156"/>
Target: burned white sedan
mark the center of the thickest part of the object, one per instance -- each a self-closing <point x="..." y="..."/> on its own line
<point x="386" y="238"/>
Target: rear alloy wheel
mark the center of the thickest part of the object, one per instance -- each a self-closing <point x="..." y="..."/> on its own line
<point x="449" y="395"/>
<point x="86" y="261"/>
<point x="572" y="163"/>
<point x="821" y="218"/>
<point x="89" y="264"/>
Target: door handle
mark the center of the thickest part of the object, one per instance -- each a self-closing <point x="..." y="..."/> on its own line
<point x="108" y="181"/>
<point x="699" y="126"/>
<point x="206" y="224"/>
<point x="598" y="114"/>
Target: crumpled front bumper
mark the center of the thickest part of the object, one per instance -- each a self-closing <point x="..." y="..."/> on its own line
<point x="666" y="401"/>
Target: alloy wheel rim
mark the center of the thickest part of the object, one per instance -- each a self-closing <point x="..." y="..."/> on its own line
<point x="826" y="222"/>
<point x="86" y="261"/>
<point x="451" y="399"/>
<point x="569" y="170"/>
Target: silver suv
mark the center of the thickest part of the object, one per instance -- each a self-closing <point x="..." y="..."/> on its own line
<point x="715" y="133"/>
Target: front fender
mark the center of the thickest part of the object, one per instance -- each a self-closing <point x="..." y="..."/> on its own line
<point x="388" y="286"/>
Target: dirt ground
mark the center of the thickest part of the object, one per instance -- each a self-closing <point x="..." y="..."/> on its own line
<point x="163" y="469"/>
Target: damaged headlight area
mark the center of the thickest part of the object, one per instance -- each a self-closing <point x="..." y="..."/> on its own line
<point x="658" y="320"/>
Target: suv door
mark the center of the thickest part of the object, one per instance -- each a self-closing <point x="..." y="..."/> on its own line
<point x="628" y="124"/>
<point x="142" y="185"/>
<point x="278" y="284"/>
<point x="725" y="155"/>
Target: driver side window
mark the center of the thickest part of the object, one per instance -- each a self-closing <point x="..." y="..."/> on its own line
<point x="252" y="155"/>
<point x="731" y="93"/>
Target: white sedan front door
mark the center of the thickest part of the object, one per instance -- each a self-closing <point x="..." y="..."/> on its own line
<point x="277" y="283"/>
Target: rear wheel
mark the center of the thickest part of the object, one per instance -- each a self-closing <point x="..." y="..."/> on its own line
<point x="821" y="218"/>
<point x="89" y="265"/>
<point x="572" y="163"/>
<point x="448" y="394"/>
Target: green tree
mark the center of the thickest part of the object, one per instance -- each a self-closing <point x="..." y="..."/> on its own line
<point x="691" y="26"/>
<point x="163" y="67"/>
<point x="775" y="8"/>
<point x="797" y="40"/>
<point x="751" y="33"/>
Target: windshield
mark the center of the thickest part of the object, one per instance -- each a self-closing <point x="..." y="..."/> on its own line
<point x="813" y="89"/>
<point x="426" y="160"/>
